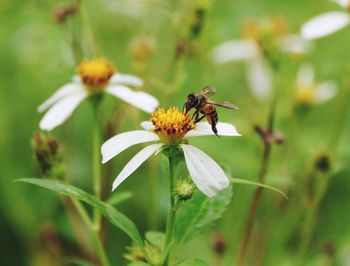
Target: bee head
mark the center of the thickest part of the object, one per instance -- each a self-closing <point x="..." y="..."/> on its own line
<point x="190" y="102"/>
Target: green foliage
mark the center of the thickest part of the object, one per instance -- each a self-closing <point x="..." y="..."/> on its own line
<point x="198" y="213"/>
<point x="257" y="184"/>
<point x="115" y="217"/>
<point x="119" y="197"/>
<point x="155" y="238"/>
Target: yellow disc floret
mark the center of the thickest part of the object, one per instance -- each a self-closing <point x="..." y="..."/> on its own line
<point x="95" y="73"/>
<point x="171" y="125"/>
<point x="305" y="96"/>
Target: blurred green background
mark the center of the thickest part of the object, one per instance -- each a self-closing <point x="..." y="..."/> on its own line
<point x="36" y="58"/>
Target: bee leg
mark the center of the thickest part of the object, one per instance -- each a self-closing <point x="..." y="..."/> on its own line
<point x="198" y="119"/>
<point x="195" y="115"/>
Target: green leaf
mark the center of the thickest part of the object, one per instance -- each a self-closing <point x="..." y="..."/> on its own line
<point x="257" y="184"/>
<point x="119" y="197"/>
<point x="193" y="262"/>
<point x="198" y="213"/>
<point x="115" y="217"/>
<point x="157" y="239"/>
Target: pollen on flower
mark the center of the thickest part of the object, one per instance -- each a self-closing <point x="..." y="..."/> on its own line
<point x="95" y="73"/>
<point x="305" y="96"/>
<point x="171" y="125"/>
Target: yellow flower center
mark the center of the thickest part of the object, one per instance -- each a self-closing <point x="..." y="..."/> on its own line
<point x="265" y="30"/>
<point x="306" y="96"/>
<point x="171" y="125"/>
<point x="95" y="73"/>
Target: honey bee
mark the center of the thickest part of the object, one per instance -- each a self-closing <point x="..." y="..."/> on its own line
<point x="200" y="101"/>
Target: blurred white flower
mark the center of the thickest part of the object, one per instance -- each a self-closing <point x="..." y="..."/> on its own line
<point x="170" y="128"/>
<point x="327" y="23"/>
<point x="308" y="92"/>
<point x="94" y="76"/>
<point x="252" y="50"/>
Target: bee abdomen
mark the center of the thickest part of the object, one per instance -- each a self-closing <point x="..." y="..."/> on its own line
<point x="214" y="115"/>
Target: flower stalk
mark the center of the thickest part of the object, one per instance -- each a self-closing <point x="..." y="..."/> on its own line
<point x="172" y="208"/>
<point x="258" y="192"/>
<point x="96" y="165"/>
<point x="322" y="185"/>
<point x="94" y="233"/>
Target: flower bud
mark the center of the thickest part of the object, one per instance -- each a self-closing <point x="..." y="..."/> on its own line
<point x="141" y="50"/>
<point x="199" y="13"/>
<point x="219" y="244"/>
<point x="61" y="13"/>
<point x="135" y="254"/>
<point x="322" y="163"/>
<point x="184" y="189"/>
<point x="47" y="153"/>
<point x="270" y="137"/>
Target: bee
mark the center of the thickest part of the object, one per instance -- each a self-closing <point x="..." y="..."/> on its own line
<point x="200" y="101"/>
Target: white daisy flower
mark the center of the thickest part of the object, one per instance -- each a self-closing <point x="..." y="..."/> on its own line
<point x="327" y="23"/>
<point x="170" y="128"/>
<point x="94" y="76"/>
<point x="252" y="50"/>
<point x="308" y="92"/>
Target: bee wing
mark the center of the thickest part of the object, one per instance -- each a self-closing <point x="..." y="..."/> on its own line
<point x="225" y="105"/>
<point x="208" y="91"/>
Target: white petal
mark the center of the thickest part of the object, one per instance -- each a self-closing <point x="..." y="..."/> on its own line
<point x="147" y="125"/>
<point x="205" y="172"/>
<point x="305" y="76"/>
<point x="135" y="163"/>
<point x="234" y="51"/>
<point x="126" y="79"/>
<point x="204" y="129"/>
<point x="325" y="91"/>
<point x="76" y="79"/>
<point x="259" y="78"/>
<point x="65" y="90"/>
<point x="293" y="43"/>
<point x="139" y="99"/>
<point x="120" y="142"/>
<point x="325" y="24"/>
<point x="61" y="110"/>
<point x="343" y="3"/>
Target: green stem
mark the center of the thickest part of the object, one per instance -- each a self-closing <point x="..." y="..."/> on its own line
<point x="311" y="217"/>
<point x="86" y="219"/>
<point x="258" y="192"/>
<point x="342" y="113"/>
<point x="96" y="165"/>
<point x="322" y="185"/>
<point x="172" y="209"/>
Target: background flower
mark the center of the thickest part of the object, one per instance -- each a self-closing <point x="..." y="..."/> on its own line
<point x="95" y="76"/>
<point x="308" y="92"/>
<point x="327" y="23"/>
<point x="262" y="39"/>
